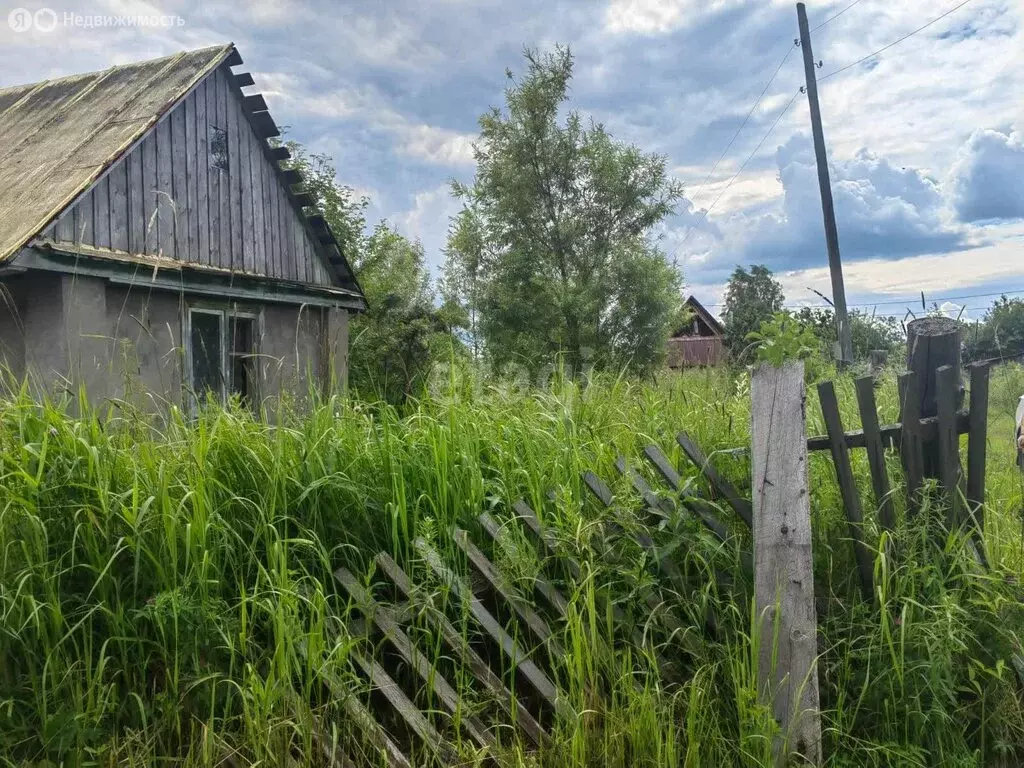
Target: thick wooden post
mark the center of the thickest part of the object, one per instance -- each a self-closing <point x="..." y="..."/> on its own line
<point x="783" y="563"/>
<point x="933" y="342"/>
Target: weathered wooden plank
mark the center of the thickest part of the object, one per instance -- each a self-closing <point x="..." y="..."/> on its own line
<point x="512" y="597"/>
<point x="101" y="212"/>
<point x="546" y="539"/>
<point x="640" y="484"/>
<point x="85" y="227"/>
<point x="119" y="206"/>
<point x="783" y="560"/>
<point x="946" y="386"/>
<point x="703" y="511"/>
<point x="264" y="125"/>
<point x="179" y="182"/>
<point x="269" y="182"/>
<point x="274" y="225"/>
<point x="136" y="203"/>
<point x="518" y="658"/>
<point x="202" y="255"/>
<point x="190" y="242"/>
<point x="247" y="255"/>
<point x="166" y="204"/>
<point x="280" y="153"/>
<point x="910" y="439"/>
<point x="457" y="643"/>
<point x="237" y="128"/>
<point x="847" y="486"/>
<point x="418" y="724"/>
<point x="420" y="664"/>
<point x="544" y="588"/>
<point x="604" y="494"/>
<point x="291" y="176"/>
<point x="255" y="102"/>
<point x="722" y="486"/>
<point x="215" y="176"/>
<point x="243" y="79"/>
<point x="361" y="717"/>
<point x="977" y="443"/>
<point x="865" y="386"/>
<point x="259" y="234"/>
<point x="224" y="102"/>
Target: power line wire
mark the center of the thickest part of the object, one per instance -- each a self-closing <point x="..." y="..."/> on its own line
<point x="836" y="16"/>
<point x="894" y="43"/>
<point x="704" y="213"/>
<point x="904" y="302"/>
<point x="747" y="118"/>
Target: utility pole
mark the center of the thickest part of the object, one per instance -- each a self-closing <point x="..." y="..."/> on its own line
<point x="835" y="264"/>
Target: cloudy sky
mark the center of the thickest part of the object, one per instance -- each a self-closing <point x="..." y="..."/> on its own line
<point x="926" y="141"/>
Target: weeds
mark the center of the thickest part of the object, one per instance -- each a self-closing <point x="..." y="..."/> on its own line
<point x="168" y="595"/>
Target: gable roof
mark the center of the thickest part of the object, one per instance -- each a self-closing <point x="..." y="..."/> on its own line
<point x="58" y="137"/>
<point x="704" y="315"/>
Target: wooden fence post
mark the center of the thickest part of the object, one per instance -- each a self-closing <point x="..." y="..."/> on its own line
<point x="783" y="563"/>
<point x="933" y="342"/>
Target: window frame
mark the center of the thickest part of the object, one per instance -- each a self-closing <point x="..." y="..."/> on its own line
<point x="224" y="313"/>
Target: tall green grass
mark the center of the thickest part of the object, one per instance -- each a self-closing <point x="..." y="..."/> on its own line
<point x="166" y="592"/>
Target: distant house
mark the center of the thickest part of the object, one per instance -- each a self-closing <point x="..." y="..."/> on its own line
<point x="152" y="244"/>
<point x="700" y="342"/>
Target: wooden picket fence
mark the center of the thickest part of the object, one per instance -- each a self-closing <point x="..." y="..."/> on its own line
<point x="514" y="671"/>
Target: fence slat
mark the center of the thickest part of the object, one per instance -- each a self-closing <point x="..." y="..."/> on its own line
<point x="516" y="655"/>
<point x="457" y="643"/>
<point x="783" y="560"/>
<point x="641" y="485"/>
<point x="361" y="716"/>
<point x="519" y="605"/>
<point x="910" y="438"/>
<point x="381" y="680"/>
<point x="847" y="486"/>
<point x="698" y="506"/>
<point x="865" y="386"/>
<point x="977" y="443"/>
<point x="545" y="538"/>
<point x="382" y="617"/>
<point x="946" y="387"/>
<point x="722" y="487"/>
<point x="544" y="588"/>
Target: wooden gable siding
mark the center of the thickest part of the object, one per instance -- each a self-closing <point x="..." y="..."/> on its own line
<point x="166" y="197"/>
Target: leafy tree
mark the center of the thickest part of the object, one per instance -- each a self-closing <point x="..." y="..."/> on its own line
<point x="1000" y="334"/>
<point x="563" y="263"/>
<point x="751" y="298"/>
<point x="462" y="279"/>
<point x="395" y="342"/>
<point x="867" y="331"/>
<point x="344" y="211"/>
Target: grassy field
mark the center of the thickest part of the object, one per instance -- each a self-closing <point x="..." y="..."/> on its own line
<point x="166" y="595"/>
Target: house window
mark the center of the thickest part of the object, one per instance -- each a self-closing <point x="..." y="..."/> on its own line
<point x="221" y="354"/>
<point x="218" y="148"/>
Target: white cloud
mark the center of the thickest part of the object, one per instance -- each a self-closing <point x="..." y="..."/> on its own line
<point x="654" y="16"/>
<point x="427" y="221"/>
<point x="987" y="178"/>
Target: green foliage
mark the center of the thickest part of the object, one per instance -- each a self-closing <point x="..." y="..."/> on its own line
<point x="1000" y="334"/>
<point x="553" y="248"/>
<point x="394" y="344"/>
<point x="781" y="338"/>
<point x="868" y="331"/>
<point x="166" y="597"/>
<point x="751" y="298"/>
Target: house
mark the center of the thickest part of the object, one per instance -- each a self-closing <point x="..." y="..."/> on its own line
<point x="700" y="342"/>
<point x="153" y="246"/>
